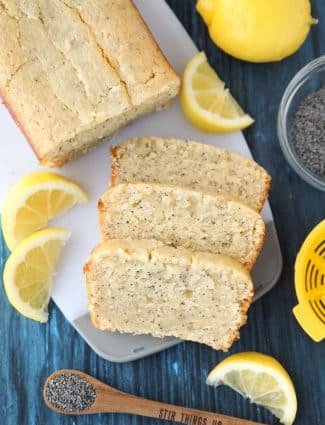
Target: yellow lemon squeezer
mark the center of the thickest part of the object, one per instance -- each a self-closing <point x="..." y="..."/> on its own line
<point x="310" y="284"/>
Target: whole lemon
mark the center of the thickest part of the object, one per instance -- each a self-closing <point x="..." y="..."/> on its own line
<point x="257" y="30"/>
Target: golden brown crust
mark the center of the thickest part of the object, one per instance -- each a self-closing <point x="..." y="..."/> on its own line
<point x="86" y="268"/>
<point x="113" y="154"/>
<point x="94" y="316"/>
<point x="94" y="321"/>
<point x="258" y="249"/>
<point x="265" y="194"/>
<point x="244" y="309"/>
<point x="101" y="218"/>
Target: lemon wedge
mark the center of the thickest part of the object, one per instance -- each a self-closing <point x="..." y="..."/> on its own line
<point x="33" y="201"/>
<point x="262" y="379"/>
<point x="206" y="102"/>
<point x="29" y="271"/>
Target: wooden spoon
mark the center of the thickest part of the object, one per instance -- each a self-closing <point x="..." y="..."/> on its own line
<point x="109" y="399"/>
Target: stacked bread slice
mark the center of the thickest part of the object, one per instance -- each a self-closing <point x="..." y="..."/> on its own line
<point x="181" y="229"/>
<point x="192" y="165"/>
<point x="144" y="287"/>
<point x="177" y="216"/>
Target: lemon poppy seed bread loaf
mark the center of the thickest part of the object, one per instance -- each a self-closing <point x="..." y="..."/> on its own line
<point x="142" y="287"/>
<point x="178" y="216"/>
<point x="192" y="165"/>
<point x="73" y="72"/>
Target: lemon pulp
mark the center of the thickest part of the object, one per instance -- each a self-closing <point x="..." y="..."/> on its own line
<point x="33" y="201"/>
<point x="206" y="102"/>
<point x="262" y="379"/>
<point x="29" y="271"/>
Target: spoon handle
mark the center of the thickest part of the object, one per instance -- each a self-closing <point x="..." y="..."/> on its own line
<point x="125" y="403"/>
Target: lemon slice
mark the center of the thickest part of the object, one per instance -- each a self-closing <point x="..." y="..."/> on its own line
<point x="33" y="201"/>
<point x="29" y="271"/>
<point x="206" y="102"/>
<point x="262" y="379"/>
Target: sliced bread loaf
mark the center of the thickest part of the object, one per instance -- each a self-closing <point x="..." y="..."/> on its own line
<point x="142" y="287"/>
<point x="190" y="164"/>
<point x="182" y="217"/>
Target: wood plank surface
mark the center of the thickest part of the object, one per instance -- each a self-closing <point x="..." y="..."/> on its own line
<point x="31" y="351"/>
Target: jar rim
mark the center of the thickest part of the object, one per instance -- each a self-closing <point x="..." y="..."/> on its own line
<point x="301" y="77"/>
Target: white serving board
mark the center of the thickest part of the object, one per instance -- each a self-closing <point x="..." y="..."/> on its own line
<point x="92" y="172"/>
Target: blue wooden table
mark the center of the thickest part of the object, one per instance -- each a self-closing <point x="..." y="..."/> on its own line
<point x="30" y="351"/>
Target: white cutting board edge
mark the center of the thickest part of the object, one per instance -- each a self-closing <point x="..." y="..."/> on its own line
<point x="92" y="170"/>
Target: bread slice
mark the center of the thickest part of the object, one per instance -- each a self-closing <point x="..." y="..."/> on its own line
<point x="192" y="165"/>
<point x="73" y="72"/>
<point x="142" y="287"/>
<point x="182" y="217"/>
